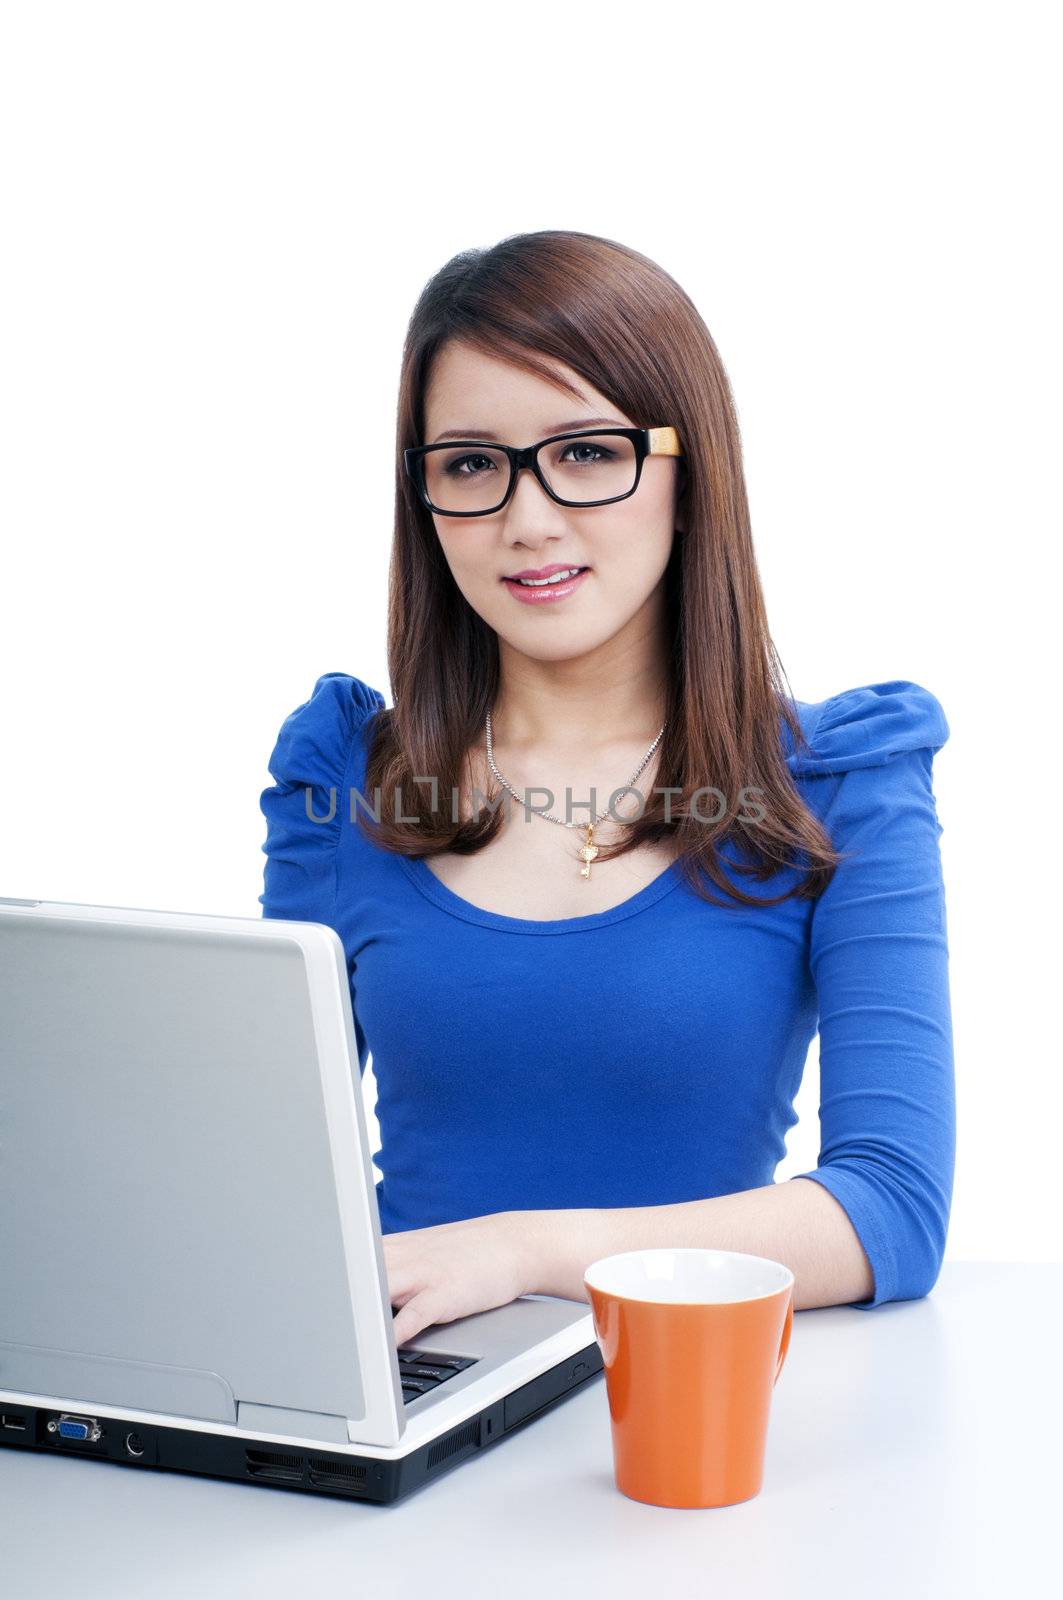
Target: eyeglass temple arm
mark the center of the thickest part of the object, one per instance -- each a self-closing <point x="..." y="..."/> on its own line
<point x="664" y="442"/>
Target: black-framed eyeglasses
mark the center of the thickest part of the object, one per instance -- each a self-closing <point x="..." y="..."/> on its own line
<point x="594" y="467"/>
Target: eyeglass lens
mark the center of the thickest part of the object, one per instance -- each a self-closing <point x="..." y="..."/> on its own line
<point x="583" y="469"/>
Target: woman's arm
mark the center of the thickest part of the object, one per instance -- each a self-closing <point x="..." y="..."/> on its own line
<point x="798" y="1223"/>
<point x="868" y="1225"/>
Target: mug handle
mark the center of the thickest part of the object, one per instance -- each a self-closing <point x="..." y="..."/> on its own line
<point x="785" y="1344"/>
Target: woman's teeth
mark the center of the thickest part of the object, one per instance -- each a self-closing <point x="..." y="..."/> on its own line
<point x="555" y="577"/>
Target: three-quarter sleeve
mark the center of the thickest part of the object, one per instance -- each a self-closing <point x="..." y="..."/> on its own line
<point x="878" y="955"/>
<point x="305" y="808"/>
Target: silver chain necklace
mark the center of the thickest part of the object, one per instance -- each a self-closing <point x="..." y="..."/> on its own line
<point x="588" y="850"/>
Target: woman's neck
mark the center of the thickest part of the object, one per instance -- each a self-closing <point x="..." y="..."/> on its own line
<point x="578" y="706"/>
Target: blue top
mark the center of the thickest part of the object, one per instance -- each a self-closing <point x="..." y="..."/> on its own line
<point x="663" y="1062"/>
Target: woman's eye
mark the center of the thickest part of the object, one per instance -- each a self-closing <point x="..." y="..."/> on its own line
<point x="454" y="467"/>
<point x="598" y="454"/>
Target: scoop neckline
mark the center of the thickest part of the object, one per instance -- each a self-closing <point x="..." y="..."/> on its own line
<point x="422" y="876"/>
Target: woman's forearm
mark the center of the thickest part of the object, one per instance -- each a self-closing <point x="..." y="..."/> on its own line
<point x="797" y="1222"/>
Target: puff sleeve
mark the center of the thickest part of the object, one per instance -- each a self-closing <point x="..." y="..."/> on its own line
<point x="878" y="954"/>
<point x="309" y="762"/>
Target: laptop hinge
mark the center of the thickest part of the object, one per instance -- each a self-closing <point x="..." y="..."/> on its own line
<point x="117" y="1381"/>
<point x="297" y="1424"/>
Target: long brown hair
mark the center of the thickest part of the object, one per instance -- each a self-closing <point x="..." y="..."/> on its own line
<point x="621" y="322"/>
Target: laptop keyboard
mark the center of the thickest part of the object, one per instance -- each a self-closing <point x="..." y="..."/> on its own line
<point x="423" y="1370"/>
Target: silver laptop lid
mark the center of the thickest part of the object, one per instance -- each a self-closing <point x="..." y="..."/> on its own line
<point x="188" y="1219"/>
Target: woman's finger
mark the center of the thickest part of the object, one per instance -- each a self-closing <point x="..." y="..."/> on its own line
<point x="412" y="1319"/>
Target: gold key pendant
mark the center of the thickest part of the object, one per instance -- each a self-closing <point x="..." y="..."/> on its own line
<point x="588" y="851"/>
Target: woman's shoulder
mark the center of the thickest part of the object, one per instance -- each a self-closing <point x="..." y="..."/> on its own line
<point x="315" y="739"/>
<point x="868" y="726"/>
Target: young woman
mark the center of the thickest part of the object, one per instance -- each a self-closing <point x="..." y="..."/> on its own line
<point x="598" y="877"/>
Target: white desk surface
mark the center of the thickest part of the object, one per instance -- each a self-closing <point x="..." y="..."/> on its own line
<point x="913" y="1452"/>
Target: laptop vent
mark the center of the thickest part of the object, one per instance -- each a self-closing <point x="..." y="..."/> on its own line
<point x="444" y="1448"/>
<point x="277" y="1466"/>
<point x="337" y="1474"/>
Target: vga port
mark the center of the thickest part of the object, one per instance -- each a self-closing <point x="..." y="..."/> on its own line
<point x="70" y="1427"/>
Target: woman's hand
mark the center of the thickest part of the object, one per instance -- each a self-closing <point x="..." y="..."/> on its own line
<point x="458" y="1268"/>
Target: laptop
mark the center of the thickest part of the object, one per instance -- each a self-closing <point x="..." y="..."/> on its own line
<point x="191" y="1270"/>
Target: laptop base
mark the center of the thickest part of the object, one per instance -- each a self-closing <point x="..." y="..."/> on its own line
<point x="347" y="1475"/>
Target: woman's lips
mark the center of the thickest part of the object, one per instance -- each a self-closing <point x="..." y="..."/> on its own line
<point x="544" y="593"/>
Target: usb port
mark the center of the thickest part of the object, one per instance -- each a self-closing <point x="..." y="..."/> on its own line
<point x="16" y="1424"/>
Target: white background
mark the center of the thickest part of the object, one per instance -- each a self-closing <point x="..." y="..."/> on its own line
<point x="216" y="219"/>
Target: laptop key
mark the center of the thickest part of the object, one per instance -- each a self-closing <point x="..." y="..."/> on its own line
<point x="455" y="1363"/>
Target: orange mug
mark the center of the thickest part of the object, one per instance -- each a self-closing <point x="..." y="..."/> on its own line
<point x="693" y="1342"/>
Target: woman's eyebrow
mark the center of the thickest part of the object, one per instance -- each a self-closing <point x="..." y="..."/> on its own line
<point x="557" y="427"/>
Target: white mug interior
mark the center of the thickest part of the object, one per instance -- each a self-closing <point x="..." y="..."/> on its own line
<point x="688" y="1277"/>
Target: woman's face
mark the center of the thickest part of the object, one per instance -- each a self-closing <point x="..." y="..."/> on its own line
<point x="624" y="545"/>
